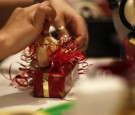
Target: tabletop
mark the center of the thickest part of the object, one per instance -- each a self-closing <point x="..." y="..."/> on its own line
<point x="11" y="97"/>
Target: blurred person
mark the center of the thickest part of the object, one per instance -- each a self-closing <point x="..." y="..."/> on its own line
<point x="121" y="29"/>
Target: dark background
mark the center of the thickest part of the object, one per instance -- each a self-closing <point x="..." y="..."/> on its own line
<point x="102" y="39"/>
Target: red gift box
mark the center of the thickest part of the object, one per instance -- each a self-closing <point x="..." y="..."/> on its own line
<point x="53" y="80"/>
<point x="53" y="84"/>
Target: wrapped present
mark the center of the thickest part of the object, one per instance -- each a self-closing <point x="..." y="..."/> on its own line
<point x="52" y="66"/>
<point x="52" y="84"/>
<point x="58" y="78"/>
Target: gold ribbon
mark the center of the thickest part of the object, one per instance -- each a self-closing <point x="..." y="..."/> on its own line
<point x="45" y="85"/>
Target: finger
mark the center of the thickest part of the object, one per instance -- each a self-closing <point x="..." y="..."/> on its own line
<point x="42" y="14"/>
<point x="53" y="13"/>
<point x="79" y="29"/>
<point x="60" y="26"/>
<point x="46" y="27"/>
<point x="30" y="8"/>
<point x="48" y="22"/>
<point x="82" y="43"/>
<point x="62" y="31"/>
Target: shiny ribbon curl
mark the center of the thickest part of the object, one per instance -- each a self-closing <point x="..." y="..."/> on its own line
<point x="63" y="59"/>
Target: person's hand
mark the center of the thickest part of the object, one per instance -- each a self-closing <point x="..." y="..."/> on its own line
<point x="74" y="24"/>
<point x="24" y="26"/>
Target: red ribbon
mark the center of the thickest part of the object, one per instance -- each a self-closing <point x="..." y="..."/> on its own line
<point x="63" y="59"/>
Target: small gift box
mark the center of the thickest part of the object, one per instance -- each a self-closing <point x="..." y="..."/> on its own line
<point x="56" y="79"/>
<point x="52" y="66"/>
<point x="54" y="84"/>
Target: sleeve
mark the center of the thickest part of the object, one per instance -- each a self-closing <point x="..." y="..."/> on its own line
<point x="113" y="4"/>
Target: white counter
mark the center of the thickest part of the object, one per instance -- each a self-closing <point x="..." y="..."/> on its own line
<point x="11" y="97"/>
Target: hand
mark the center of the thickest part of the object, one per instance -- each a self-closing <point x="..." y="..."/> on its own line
<point x="74" y="24"/>
<point x="24" y="26"/>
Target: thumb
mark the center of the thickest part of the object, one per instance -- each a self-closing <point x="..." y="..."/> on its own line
<point x="39" y="16"/>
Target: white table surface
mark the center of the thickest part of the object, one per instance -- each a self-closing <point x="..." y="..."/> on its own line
<point x="11" y="97"/>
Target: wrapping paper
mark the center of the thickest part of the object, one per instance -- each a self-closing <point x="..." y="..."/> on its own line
<point x="51" y="66"/>
<point x="53" y="84"/>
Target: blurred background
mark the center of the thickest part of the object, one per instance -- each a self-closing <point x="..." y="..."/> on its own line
<point x="103" y="39"/>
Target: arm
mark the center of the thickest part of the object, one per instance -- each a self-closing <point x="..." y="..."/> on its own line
<point x="24" y="26"/>
<point x="8" y="6"/>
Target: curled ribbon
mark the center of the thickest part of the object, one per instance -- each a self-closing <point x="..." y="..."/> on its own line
<point x="63" y="59"/>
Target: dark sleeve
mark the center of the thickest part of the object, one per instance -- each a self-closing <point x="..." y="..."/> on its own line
<point x="113" y="4"/>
